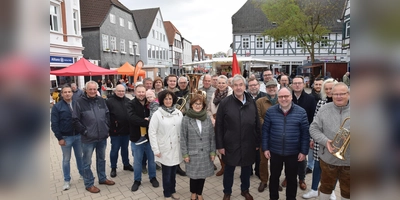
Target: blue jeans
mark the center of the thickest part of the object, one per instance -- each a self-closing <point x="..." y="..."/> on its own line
<point x="169" y="179"/>
<point x="138" y="151"/>
<point x="310" y="159"/>
<point x="75" y="143"/>
<point x="228" y="178"/>
<point x="117" y="143"/>
<point x="88" y="149"/>
<point x="316" y="175"/>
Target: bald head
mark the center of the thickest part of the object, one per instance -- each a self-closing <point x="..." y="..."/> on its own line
<point x="119" y="90"/>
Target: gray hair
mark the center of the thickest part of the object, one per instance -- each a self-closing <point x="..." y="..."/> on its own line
<point x="323" y="92"/>
<point x="182" y="77"/>
<point x="341" y="84"/>
<point x="91" y="82"/>
<point x="239" y="77"/>
<point x="223" y="77"/>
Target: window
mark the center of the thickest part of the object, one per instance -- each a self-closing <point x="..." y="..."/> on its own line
<point x="113" y="43"/>
<point x="154" y="33"/>
<point x="121" y="22"/>
<point x="55" y="18"/>
<point x="164" y="37"/>
<point x="153" y="51"/>
<point x="299" y="43"/>
<point x="136" y="46"/>
<point x="347" y="33"/>
<point x="130" y="25"/>
<point x="157" y="53"/>
<point x="122" y="45"/>
<point x="149" y="51"/>
<point x="279" y="44"/>
<point x="324" y="41"/>
<point x="130" y="47"/>
<point x="106" y="46"/>
<point x="112" y="18"/>
<point x="75" y="16"/>
<point x="246" y="43"/>
<point x="260" y="42"/>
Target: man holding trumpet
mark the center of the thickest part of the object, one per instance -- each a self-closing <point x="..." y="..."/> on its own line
<point x="334" y="158"/>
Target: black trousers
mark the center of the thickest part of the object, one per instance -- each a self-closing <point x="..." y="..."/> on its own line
<point x="197" y="185"/>
<point x="291" y="167"/>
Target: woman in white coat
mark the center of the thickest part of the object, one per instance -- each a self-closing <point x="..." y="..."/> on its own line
<point x="164" y="135"/>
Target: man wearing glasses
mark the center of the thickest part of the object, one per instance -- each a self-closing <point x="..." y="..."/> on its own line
<point x="285" y="141"/>
<point x="267" y="76"/>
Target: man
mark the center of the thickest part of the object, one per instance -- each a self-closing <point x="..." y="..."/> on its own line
<point x="284" y="81"/>
<point x="307" y="102"/>
<point x="91" y="118"/>
<point x="207" y="87"/>
<point x="214" y="80"/>
<point x="316" y="90"/>
<point x="285" y="141"/>
<point x="237" y="137"/>
<point x="263" y="104"/>
<point x="267" y="76"/>
<point x="171" y="83"/>
<point x="254" y="91"/>
<point x="148" y="83"/>
<point x="76" y="92"/>
<point x="137" y="112"/>
<point x="323" y="130"/>
<point x="67" y="136"/>
<point x="230" y="82"/>
<point x="183" y="91"/>
<point x="346" y="79"/>
<point x="119" y="129"/>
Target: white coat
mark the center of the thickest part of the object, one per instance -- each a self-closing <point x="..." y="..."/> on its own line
<point x="164" y="134"/>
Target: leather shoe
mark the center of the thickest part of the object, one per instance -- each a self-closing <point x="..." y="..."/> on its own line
<point x="113" y="172"/>
<point x="261" y="187"/>
<point x="308" y="171"/>
<point x="246" y="195"/>
<point x="284" y="183"/>
<point x="302" y="185"/>
<point x="227" y="197"/>
<point x="135" y="186"/>
<point x="107" y="182"/>
<point x="280" y="189"/>
<point x="128" y="168"/>
<point x="93" y="189"/>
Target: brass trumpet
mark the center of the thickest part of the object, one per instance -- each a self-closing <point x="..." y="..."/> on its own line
<point x="193" y="85"/>
<point x="341" y="141"/>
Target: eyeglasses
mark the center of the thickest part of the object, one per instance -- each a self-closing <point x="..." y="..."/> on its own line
<point x="253" y="85"/>
<point x="339" y="94"/>
<point x="284" y="97"/>
<point x="298" y="83"/>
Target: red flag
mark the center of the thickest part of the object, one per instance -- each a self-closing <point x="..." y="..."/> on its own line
<point x="235" y="66"/>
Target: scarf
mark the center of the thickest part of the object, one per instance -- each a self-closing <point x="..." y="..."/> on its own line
<point x="202" y="115"/>
<point x="169" y="110"/>
<point x="219" y="96"/>
<point x="272" y="100"/>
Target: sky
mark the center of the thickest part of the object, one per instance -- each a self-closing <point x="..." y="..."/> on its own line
<point x="203" y="22"/>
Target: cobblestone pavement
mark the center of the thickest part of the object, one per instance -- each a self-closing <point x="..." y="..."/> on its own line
<point x="124" y="180"/>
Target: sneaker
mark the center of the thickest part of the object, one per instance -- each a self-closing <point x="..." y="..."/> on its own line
<point x="135" y="186"/>
<point x="141" y="140"/>
<point x="310" y="194"/>
<point x="175" y="196"/>
<point x="144" y="169"/>
<point x="66" y="185"/>
<point x="154" y="182"/>
<point x="333" y="196"/>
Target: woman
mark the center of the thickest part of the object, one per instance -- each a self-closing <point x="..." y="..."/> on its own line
<point x="326" y="97"/>
<point x="158" y="85"/>
<point x="222" y="91"/>
<point x="197" y="145"/>
<point x="164" y="135"/>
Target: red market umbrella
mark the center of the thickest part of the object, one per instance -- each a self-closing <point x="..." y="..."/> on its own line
<point x="83" y="68"/>
<point x="235" y="66"/>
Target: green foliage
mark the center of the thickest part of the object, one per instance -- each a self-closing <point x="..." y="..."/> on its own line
<point x="303" y="21"/>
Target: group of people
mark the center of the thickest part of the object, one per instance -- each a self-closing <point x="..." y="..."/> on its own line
<point x="242" y="127"/>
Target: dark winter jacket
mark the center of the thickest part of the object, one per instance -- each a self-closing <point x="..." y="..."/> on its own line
<point x="307" y="102"/>
<point x="136" y="114"/>
<point x="119" y="124"/>
<point x="61" y="120"/>
<point x="317" y="96"/>
<point x="237" y="130"/>
<point x="286" y="135"/>
<point x="91" y="118"/>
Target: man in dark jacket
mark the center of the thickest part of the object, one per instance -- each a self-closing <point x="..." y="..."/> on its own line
<point x="237" y="133"/>
<point x="137" y="112"/>
<point x="307" y="102"/>
<point x="77" y="93"/>
<point x="68" y="138"/>
<point x="119" y="129"/>
<point x="316" y="90"/>
<point x="285" y="140"/>
<point x="91" y="118"/>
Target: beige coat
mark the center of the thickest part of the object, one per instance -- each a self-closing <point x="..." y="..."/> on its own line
<point x="211" y="108"/>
